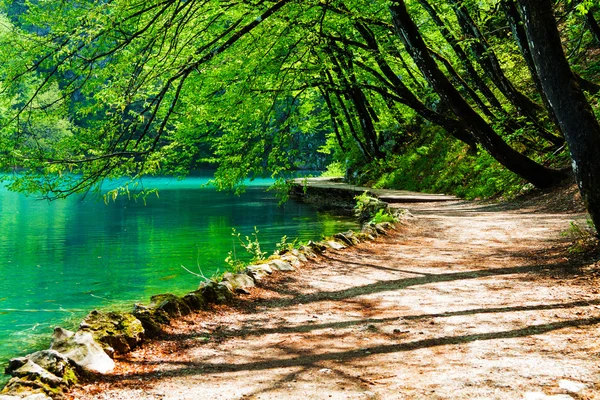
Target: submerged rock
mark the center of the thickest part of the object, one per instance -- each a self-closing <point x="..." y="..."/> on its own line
<point x="82" y="349"/>
<point x="121" y="331"/>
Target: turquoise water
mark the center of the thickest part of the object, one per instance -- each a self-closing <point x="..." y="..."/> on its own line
<point x="61" y="259"/>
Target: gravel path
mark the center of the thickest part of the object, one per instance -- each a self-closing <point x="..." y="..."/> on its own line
<point x="464" y="301"/>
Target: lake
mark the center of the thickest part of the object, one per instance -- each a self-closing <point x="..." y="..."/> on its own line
<point x="61" y="259"/>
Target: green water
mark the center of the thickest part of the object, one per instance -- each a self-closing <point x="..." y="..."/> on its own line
<point x="60" y="260"/>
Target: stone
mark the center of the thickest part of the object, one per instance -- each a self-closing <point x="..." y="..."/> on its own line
<point x="257" y="272"/>
<point x="285" y="264"/>
<point x="239" y="282"/>
<point x="55" y="363"/>
<point x="82" y="349"/>
<point x="542" y="396"/>
<point x="20" y="388"/>
<point x="317" y="248"/>
<point x="571" y="386"/>
<point x="336" y="245"/>
<point x="121" y="331"/>
<point x="299" y="255"/>
<point x="217" y="293"/>
<point x="151" y="319"/>
<point x="307" y="252"/>
<point x="194" y="300"/>
<point x="173" y="305"/>
<point x="343" y="238"/>
<point x="14" y="364"/>
<point x="37" y="396"/>
<point x="387" y="226"/>
<point x="364" y="236"/>
<point x="370" y="230"/>
<point x="33" y="372"/>
<point x="351" y="235"/>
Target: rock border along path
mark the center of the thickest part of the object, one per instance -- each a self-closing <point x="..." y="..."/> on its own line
<point x="465" y="301"/>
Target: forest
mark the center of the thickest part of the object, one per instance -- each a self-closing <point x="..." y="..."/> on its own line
<point x="474" y="98"/>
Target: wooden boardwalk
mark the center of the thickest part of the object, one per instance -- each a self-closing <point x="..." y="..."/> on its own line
<point x="387" y="195"/>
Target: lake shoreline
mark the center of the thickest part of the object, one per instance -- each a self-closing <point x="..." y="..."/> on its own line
<point x="163" y="309"/>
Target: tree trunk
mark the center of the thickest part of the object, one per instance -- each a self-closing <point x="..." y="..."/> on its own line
<point x="593" y="24"/>
<point x="511" y="159"/>
<point x="408" y="97"/>
<point x="462" y="56"/>
<point x="514" y="19"/>
<point x="566" y="98"/>
<point x="489" y="62"/>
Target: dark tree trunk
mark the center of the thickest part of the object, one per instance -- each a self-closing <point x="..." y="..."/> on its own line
<point x="489" y="62"/>
<point x="514" y="19"/>
<point x="593" y="25"/>
<point x="462" y="56"/>
<point x="566" y="98"/>
<point x="491" y="142"/>
<point x="334" y="119"/>
<point x="408" y="98"/>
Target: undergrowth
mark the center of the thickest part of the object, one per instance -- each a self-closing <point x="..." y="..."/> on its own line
<point x="443" y="165"/>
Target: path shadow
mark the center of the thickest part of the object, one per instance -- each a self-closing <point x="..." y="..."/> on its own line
<point x="402" y="283"/>
<point x="187" y="368"/>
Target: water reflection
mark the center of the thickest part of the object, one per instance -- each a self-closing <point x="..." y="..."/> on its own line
<point x="59" y="260"/>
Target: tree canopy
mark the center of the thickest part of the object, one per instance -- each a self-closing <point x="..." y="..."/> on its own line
<point x="449" y="95"/>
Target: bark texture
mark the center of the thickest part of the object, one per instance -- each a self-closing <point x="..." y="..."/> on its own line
<point x="516" y="162"/>
<point x="566" y="99"/>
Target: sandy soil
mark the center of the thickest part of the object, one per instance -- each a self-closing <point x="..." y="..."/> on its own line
<point x="464" y="301"/>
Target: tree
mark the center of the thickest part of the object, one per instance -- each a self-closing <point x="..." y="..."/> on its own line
<point x="566" y="99"/>
<point x="487" y="137"/>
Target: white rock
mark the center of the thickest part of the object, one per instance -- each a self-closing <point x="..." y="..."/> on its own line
<point x="571" y="386"/>
<point x="83" y="350"/>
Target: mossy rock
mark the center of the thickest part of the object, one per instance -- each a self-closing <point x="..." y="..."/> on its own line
<point x="257" y="272"/>
<point x="152" y="319"/>
<point x="173" y="305"/>
<point x="287" y="263"/>
<point x="195" y="300"/>
<point x="24" y="388"/>
<point x="307" y="252"/>
<point x="216" y="293"/>
<point x="122" y="332"/>
<point x="317" y="248"/>
<point x="82" y="350"/>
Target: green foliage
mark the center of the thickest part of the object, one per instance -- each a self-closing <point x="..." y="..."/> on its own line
<point x="284" y="245"/>
<point x="583" y="237"/>
<point x="250" y="245"/>
<point x="443" y="166"/>
<point x="94" y="90"/>
<point x="334" y="170"/>
<point x="367" y="206"/>
<point x="384" y="215"/>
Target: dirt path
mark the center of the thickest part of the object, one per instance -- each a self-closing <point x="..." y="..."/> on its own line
<point x="465" y="302"/>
